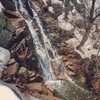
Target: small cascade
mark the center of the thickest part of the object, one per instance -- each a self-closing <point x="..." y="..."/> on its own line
<point x="44" y="50"/>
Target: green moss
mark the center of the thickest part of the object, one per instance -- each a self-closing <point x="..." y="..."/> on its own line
<point x="71" y="91"/>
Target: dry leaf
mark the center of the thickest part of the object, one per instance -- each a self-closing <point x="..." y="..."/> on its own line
<point x="82" y="78"/>
<point x="96" y="84"/>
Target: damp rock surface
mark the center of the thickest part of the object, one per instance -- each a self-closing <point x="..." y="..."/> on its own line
<point x="72" y="91"/>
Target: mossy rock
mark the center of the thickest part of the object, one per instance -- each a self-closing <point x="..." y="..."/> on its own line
<point x="71" y="91"/>
<point x="5" y="34"/>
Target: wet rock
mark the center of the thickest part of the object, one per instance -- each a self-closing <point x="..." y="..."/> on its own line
<point x="4" y="58"/>
<point x="9" y="14"/>
<point x="58" y="9"/>
<point x="72" y="91"/>
<point x="8" y="4"/>
<point x="5" y="55"/>
<point x="66" y="34"/>
<point x="7" y="93"/>
<point x="5" y="35"/>
<point x="14" y="92"/>
<point x="65" y="25"/>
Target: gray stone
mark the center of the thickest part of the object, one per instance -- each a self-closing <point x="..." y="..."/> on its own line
<point x="5" y="34"/>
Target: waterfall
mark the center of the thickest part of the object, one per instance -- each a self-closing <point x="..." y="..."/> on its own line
<point x="44" y="50"/>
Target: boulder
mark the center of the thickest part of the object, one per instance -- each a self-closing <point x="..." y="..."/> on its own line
<point x="4" y="58"/>
<point x="7" y="94"/>
<point x="5" y="31"/>
<point x="72" y="91"/>
<point x="4" y="55"/>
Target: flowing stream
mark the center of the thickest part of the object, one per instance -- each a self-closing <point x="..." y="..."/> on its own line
<point x="41" y="42"/>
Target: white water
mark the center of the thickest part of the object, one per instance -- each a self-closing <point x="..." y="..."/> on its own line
<point x="42" y="44"/>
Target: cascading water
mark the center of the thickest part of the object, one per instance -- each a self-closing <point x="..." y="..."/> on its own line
<point x="68" y="89"/>
<point x="41" y="43"/>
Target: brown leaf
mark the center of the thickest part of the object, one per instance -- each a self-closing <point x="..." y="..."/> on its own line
<point x="70" y="73"/>
<point x="96" y="84"/>
<point x="39" y="88"/>
<point x="22" y="70"/>
<point x="82" y="78"/>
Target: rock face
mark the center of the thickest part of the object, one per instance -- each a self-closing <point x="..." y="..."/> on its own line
<point x="5" y="33"/>
<point x="8" y="5"/>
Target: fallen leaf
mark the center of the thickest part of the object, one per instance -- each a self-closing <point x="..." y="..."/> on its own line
<point x="70" y="73"/>
<point x="82" y="78"/>
<point x="96" y="84"/>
